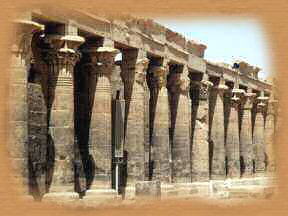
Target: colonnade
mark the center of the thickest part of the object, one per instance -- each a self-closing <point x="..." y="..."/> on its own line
<point x="171" y="125"/>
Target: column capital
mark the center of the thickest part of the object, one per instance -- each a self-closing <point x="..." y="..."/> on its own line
<point x="272" y="107"/>
<point x="61" y="57"/>
<point x="23" y="31"/>
<point x="235" y="96"/>
<point x="105" y="56"/>
<point x="261" y="102"/>
<point x="62" y="49"/>
<point x="159" y="76"/>
<point x="137" y="72"/>
<point x="220" y="86"/>
<point x="180" y="85"/>
<point x="261" y="107"/>
<point x="101" y="60"/>
<point x="184" y="86"/>
<point x="203" y="86"/>
<point x="140" y="70"/>
<point x="64" y="42"/>
<point x="247" y="100"/>
<point x="238" y="92"/>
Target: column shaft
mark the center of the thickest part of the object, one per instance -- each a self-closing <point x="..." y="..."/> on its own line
<point x="270" y="135"/>
<point x="160" y="138"/>
<point x="100" y="129"/>
<point x="199" y="131"/>
<point x="61" y="123"/>
<point x="232" y="139"/>
<point x="37" y="136"/>
<point x="258" y="142"/>
<point x="181" y="141"/>
<point x="100" y="93"/>
<point x="216" y="143"/>
<point x="18" y="105"/>
<point x="180" y="115"/>
<point x="135" y="81"/>
<point x="61" y="145"/>
<point x="159" y="125"/>
<point x="246" y="142"/>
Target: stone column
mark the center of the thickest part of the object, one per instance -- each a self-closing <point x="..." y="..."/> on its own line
<point x="135" y="82"/>
<point x="270" y="135"/>
<point x="147" y="130"/>
<point x="216" y="138"/>
<point x="61" y="58"/>
<point x="258" y="135"/>
<point x="37" y="120"/>
<point x="100" y="147"/>
<point x="246" y="143"/>
<point x="159" y="124"/>
<point x="18" y="108"/>
<point x="180" y="127"/>
<point x="232" y="136"/>
<point x="200" y="129"/>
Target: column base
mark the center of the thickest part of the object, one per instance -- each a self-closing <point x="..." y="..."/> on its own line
<point x="218" y="177"/>
<point x="229" y="189"/>
<point x="61" y="197"/>
<point x="61" y="188"/>
<point x="260" y="174"/>
<point x="148" y="189"/>
<point x="101" y="196"/>
<point x="185" y="190"/>
<point x="130" y="192"/>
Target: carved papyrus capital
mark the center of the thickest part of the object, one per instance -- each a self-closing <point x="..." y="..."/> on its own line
<point x="261" y="103"/>
<point x="203" y="86"/>
<point x="102" y="59"/>
<point x="221" y="88"/>
<point x="272" y="107"/>
<point x="106" y="55"/>
<point x="247" y="100"/>
<point x="62" y="49"/>
<point x="61" y="57"/>
<point x="140" y="70"/>
<point x="136" y="73"/>
<point x="235" y="97"/>
<point x="158" y="78"/>
<point x="184" y="86"/>
<point x="23" y="31"/>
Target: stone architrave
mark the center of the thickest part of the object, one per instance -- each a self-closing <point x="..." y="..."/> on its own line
<point x="23" y="31"/>
<point x="100" y="91"/>
<point x="200" y="130"/>
<point x="135" y="82"/>
<point x="246" y="142"/>
<point x="159" y="124"/>
<point x="217" y="141"/>
<point x="61" y="58"/>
